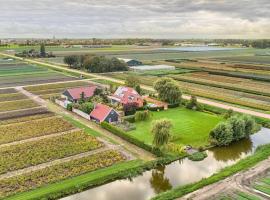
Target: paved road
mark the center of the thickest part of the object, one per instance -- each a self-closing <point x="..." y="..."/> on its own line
<point x="201" y="100"/>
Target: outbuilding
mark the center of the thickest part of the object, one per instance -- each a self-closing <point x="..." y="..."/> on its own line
<point x="131" y="62"/>
<point x="103" y="113"/>
<point x="74" y="94"/>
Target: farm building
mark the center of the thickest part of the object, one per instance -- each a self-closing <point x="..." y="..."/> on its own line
<point x="126" y="95"/>
<point x="74" y="94"/>
<point x="131" y="62"/>
<point x="152" y="67"/>
<point x="102" y="113"/>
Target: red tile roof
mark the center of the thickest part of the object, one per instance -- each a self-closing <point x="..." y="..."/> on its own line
<point x="100" y="112"/>
<point x="128" y="95"/>
<point x="76" y="92"/>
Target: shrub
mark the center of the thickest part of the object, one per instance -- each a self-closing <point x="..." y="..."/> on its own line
<point x="161" y="130"/>
<point x="198" y="156"/>
<point x="130" y="118"/>
<point x="193" y="104"/>
<point x="222" y="134"/>
<point x="69" y="107"/>
<point x="175" y="105"/>
<point x="142" y="115"/>
<point x="157" y="108"/>
<point x="130" y="139"/>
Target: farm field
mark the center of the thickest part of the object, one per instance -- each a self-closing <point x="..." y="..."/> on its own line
<point x="237" y="195"/>
<point x="11" y="100"/>
<point x="47" y="91"/>
<point x="263" y="184"/>
<point x="13" y="73"/>
<point x="189" y="127"/>
<point x="239" y="84"/>
<point x="43" y="148"/>
<point x="246" y="59"/>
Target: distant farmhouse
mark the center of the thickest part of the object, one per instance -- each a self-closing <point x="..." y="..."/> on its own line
<point x="126" y="95"/>
<point x="74" y="94"/>
<point x="131" y="62"/>
<point x="152" y="67"/>
<point x="103" y="113"/>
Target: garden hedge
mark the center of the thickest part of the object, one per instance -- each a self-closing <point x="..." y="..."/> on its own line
<point x="113" y="129"/>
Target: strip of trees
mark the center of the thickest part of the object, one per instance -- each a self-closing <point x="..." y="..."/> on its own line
<point x="95" y="64"/>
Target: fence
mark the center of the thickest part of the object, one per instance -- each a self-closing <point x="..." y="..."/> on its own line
<point x="82" y="114"/>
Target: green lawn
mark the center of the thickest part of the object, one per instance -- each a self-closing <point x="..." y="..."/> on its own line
<point x="189" y="127"/>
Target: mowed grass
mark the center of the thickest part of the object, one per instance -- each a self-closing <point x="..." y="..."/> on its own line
<point x="189" y="127"/>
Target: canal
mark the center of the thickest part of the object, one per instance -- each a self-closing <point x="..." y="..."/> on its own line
<point x="178" y="173"/>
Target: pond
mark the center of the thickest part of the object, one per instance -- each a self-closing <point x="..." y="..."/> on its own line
<point x="199" y="48"/>
<point x="175" y="174"/>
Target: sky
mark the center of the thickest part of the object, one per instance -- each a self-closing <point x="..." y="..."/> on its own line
<point x="135" y="19"/>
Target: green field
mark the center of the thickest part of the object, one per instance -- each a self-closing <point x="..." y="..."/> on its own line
<point x="189" y="127"/>
<point x="263" y="185"/>
<point x="237" y="195"/>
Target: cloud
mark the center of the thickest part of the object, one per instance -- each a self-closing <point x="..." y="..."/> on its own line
<point x="140" y="18"/>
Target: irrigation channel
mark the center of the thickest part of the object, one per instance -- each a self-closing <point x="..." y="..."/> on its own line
<point x="178" y="173"/>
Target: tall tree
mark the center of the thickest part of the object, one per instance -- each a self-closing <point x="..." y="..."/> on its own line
<point x="168" y="90"/>
<point x="42" y="50"/>
<point x="161" y="130"/>
<point x="222" y="134"/>
<point x="72" y="61"/>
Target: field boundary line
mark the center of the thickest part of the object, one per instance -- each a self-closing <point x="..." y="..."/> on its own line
<point x="38" y="138"/>
<point x="10" y="111"/>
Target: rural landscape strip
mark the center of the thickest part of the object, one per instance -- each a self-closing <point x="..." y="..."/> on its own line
<point x="208" y="102"/>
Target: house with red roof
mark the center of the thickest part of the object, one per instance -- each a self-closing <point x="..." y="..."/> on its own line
<point x="127" y="95"/>
<point x="74" y="94"/>
<point x="103" y="113"/>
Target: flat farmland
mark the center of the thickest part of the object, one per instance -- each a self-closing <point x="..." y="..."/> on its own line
<point x="16" y="73"/>
<point x="11" y="100"/>
<point x="234" y="83"/>
<point x="263" y="184"/>
<point x="45" y="148"/>
<point x="255" y="59"/>
<point x="49" y="90"/>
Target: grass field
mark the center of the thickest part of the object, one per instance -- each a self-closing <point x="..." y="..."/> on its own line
<point x="189" y="127"/>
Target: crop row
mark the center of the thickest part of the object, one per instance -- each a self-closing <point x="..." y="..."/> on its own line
<point x="24" y="130"/>
<point x="249" y="100"/>
<point x="12" y="97"/>
<point x="238" y="84"/>
<point x="36" y="152"/>
<point x="56" y="86"/>
<point x="25" y="118"/>
<point x="59" y="172"/>
<point x="6" y="91"/>
<point x="23" y="113"/>
<point x="16" y="105"/>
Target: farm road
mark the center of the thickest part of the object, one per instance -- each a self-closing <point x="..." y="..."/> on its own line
<point x="97" y="76"/>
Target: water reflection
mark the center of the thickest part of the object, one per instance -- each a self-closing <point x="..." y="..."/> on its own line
<point x="159" y="182"/>
<point x="175" y="174"/>
<point x="233" y="152"/>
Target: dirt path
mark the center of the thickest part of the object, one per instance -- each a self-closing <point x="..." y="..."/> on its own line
<point x="97" y="76"/>
<point x="38" y="138"/>
<point x="239" y="181"/>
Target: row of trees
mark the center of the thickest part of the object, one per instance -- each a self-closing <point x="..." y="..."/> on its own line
<point x="235" y="128"/>
<point x="95" y="64"/>
<point x="33" y="53"/>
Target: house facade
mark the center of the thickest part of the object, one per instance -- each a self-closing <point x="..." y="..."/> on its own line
<point x="103" y="113"/>
<point x="75" y="94"/>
